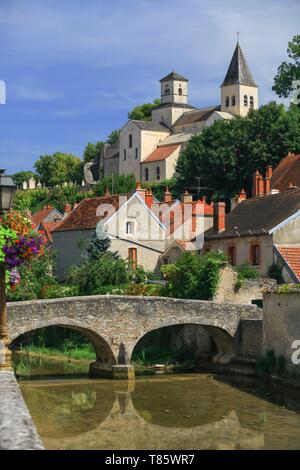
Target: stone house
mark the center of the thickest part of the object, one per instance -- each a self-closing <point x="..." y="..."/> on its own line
<point x="263" y="231"/>
<point x="150" y="150"/>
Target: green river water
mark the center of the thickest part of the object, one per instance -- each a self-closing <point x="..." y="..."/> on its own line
<point x="187" y="411"/>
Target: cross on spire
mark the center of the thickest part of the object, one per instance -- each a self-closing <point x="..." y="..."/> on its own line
<point x="238" y="35"/>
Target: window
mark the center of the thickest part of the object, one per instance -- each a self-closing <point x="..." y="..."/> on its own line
<point x="251" y="101"/>
<point x="255" y="255"/>
<point x="166" y="261"/>
<point x="129" y="228"/>
<point x="130" y="141"/>
<point x="167" y="90"/>
<point x="227" y="101"/>
<point x="233" y="100"/>
<point x="158" y="173"/>
<point x="245" y="100"/>
<point x="146" y="174"/>
<point x="132" y="257"/>
<point x="124" y="157"/>
<point x="180" y="91"/>
<point x="232" y="255"/>
<point x="136" y="152"/>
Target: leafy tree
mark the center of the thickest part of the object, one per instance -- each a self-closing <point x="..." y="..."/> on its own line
<point x="59" y="168"/>
<point x="97" y="247"/>
<point x="289" y="71"/>
<point x="113" y="137"/>
<point x="117" y="184"/>
<point x="194" y="276"/>
<point x="226" y="154"/>
<point x="143" y="112"/>
<point x="92" y="152"/>
<point x="22" y="176"/>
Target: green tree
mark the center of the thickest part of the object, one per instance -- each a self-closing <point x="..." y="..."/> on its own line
<point x="143" y="112"/>
<point x="97" y="247"/>
<point x="92" y="152"/>
<point x="289" y="71"/>
<point x="22" y="176"/>
<point x="113" y="137"/>
<point x="226" y="154"/>
<point x="117" y="184"/>
<point x="59" y="168"/>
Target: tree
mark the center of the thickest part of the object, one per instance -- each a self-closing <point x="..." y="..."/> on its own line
<point x="288" y="72"/>
<point x="59" y="168"/>
<point x="116" y="184"/>
<point x="143" y="112"/>
<point x="92" y="152"/>
<point x="97" y="247"/>
<point x="22" y="176"/>
<point x="113" y="137"/>
<point x="226" y="154"/>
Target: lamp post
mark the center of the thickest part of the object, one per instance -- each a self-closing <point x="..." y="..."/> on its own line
<point x="7" y="189"/>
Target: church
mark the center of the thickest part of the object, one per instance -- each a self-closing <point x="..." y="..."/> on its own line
<point x="150" y="149"/>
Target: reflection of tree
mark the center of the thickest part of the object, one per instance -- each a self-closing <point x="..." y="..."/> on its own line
<point x="84" y="400"/>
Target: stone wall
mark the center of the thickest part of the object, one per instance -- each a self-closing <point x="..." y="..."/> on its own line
<point x="250" y="338"/>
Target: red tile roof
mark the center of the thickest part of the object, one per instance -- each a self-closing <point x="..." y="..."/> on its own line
<point x="288" y="171"/>
<point x="39" y="216"/>
<point x="48" y="227"/>
<point x="161" y="153"/>
<point x="291" y="255"/>
<point x="84" y="216"/>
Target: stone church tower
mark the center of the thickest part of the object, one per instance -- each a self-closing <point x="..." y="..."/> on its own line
<point x="239" y="91"/>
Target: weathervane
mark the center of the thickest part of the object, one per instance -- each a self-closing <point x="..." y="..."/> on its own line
<point x="238" y="35"/>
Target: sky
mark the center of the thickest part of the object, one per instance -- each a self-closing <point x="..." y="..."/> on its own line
<point x="74" y="68"/>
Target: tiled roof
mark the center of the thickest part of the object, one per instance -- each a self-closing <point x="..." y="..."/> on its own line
<point x="174" y="76"/>
<point x="185" y="244"/>
<point x="195" y="116"/>
<point x="39" y="216"/>
<point x="258" y="215"/>
<point x="84" y="216"/>
<point x="288" y="171"/>
<point x="238" y="71"/>
<point x="48" y="227"/>
<point x="151" y="126"/>
<point x="291" y="256"/>
<point x="161" y="153"/>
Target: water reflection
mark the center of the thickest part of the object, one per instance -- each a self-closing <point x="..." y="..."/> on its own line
<point x="165" y="412"/>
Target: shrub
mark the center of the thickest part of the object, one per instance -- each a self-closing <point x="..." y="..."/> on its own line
<point x="245" y="271"/>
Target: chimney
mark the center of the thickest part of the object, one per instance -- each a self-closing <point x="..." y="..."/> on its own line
<point x="258" y="187"/>
<point x="167" y="195"/>
<point x="186" y="198"/>
<point x="219" y="217"/>
<point x="235" y="201"/>
<point x="149" y="198"/>
<point x="67" y="208"/>
<point x="269" y="171"/>
<point x="142" y="192"/>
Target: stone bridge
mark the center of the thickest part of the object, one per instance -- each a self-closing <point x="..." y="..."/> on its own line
<point x="115" y="324"/>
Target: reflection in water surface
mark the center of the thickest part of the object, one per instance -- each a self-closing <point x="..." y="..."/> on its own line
<point x="163" y="412"/>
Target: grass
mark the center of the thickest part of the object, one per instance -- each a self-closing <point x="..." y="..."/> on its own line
<point x="78" y="352"/>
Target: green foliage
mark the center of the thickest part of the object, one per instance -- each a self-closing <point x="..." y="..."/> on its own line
<point x="34" y="276"/>
<point x="193" y="276"/>
<point x="59" y="168"/>
<point x="58" y="291"/>
<point x="289" y="71"/>
<point x="22" y="176"/>
<point x="226" y="154"/>
<point x="158" y="189"/>
<point x="150" y="290"/>
<point x="30" y="199"/>
<point x="143" y="112"/>
<point x="245" y="271"/>
<point x="121" y="184"/>
<point x="92" y="152"/>
<point x="113" y="137"/>
<point x="97" y="247"/>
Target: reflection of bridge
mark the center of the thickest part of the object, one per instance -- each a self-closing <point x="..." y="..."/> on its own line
<point x="115" y="324"/>
<point x="123" y="426"/>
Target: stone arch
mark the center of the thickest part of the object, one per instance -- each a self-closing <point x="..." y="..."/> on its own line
<point x="103" y="350"/>
<point x="223" y="340"/>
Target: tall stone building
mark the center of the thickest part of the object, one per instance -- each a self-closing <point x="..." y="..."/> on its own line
<point x="150" y="149"/>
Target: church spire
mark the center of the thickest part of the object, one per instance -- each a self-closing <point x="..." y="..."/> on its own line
<point x="238" y="71"/>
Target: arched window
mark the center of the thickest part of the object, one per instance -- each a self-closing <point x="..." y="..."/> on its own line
<point x="233" y="100"/>
<point x="251" y="101"/>
<point x="227" y="101"/>
<point x="245" y="100"/>
<point x="146" y="174"/>
<point x="180" y="91"/>
<point x="158" y="173"/>
<point x="130" y="141"/>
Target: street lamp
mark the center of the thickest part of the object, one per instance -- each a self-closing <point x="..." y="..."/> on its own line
<point x="7" y="189"/>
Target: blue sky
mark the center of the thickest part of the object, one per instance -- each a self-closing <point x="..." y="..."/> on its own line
<point x="74" y="68"/>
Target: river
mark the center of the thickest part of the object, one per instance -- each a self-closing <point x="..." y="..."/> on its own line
<point x="187" y="411"/>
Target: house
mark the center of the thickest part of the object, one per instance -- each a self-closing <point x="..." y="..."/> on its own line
<point x="139" y="226"/>
<point x="150" y="149"/>
<point x="286" y="173"/>
<point x="46" y="219"/>
<point x="263" y="230"/>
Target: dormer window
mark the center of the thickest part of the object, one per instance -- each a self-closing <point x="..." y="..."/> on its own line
<point x="227" y="101"/>
<point x="245" y="100"/>
<point x="233" y="100"/>
<point x="251" y="102"/>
